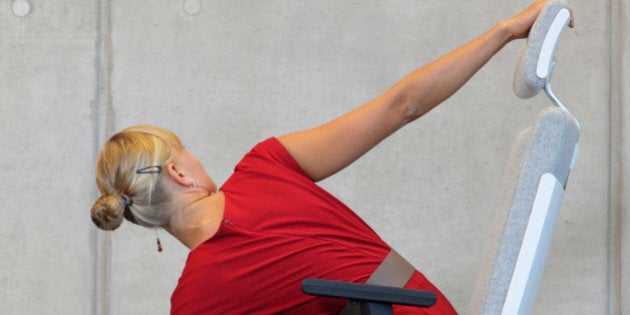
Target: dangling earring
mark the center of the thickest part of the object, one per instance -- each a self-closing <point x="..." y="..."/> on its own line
<point x="159" y="244"/>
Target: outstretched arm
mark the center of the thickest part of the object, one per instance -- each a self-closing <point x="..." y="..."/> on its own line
<point x="327" y="149"/>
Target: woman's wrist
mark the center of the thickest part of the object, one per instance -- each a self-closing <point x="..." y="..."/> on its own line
<point x="505" y="32"/>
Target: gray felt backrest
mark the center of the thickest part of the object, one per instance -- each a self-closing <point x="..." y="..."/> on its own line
<point x="548" y="147"/>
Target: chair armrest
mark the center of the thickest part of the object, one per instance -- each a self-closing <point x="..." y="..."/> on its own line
<point x="359" y="292"/>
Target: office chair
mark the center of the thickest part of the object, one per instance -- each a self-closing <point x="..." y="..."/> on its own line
<point x="542" y="158"/>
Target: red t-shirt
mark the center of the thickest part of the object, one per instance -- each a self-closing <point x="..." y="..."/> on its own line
<point x="279" y="228"/>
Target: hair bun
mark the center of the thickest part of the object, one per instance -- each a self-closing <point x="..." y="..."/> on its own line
<point x="108" y="212"/>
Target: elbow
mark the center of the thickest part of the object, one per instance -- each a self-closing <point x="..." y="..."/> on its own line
<point x="409" y="109"/>
<point x="412" y="104"/>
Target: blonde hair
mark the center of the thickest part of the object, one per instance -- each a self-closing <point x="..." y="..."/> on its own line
<point x="126" y="192"/>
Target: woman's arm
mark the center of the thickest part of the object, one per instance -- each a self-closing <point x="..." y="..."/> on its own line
<point x="327" y="149"/>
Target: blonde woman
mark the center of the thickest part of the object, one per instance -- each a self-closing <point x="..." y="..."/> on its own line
<point x="270" y="226"/>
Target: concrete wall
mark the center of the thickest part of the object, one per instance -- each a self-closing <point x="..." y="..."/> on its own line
<point x="73" y="72"/>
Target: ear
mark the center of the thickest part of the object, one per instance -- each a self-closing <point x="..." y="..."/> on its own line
<point x="177" y="175"/>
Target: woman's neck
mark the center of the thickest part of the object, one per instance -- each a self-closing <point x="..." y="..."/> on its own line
<point x="199" y="220"/>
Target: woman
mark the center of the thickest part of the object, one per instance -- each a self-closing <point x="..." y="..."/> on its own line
<point x="270" y="226"/>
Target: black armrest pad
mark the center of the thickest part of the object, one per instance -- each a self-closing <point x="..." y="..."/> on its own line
<point x="365" y="292"/>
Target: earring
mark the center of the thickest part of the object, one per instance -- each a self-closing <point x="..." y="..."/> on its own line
<point x="159" y="244"/>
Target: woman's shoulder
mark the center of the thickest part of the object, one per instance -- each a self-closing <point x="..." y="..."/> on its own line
<point x="269" y="155"/>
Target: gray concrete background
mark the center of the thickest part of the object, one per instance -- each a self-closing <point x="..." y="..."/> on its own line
<point x="73" y="72"/>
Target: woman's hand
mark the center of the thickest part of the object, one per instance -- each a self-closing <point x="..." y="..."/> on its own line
<point x="519" y="25"/>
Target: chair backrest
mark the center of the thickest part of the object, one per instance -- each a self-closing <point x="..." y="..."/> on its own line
<point x="541" y="161"/>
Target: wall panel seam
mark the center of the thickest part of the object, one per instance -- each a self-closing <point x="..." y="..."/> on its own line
<point x="616" y="161"/>
<point x="103" y="114"/>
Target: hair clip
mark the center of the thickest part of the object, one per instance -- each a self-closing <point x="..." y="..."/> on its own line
<point x="153" y="169"/>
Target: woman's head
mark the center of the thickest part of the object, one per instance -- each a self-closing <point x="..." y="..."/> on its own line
<point x="129" y="171"/>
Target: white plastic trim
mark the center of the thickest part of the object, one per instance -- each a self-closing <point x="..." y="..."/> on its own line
<point x="535" y="246"/>
<point x="549" y="44"/>
<point x="575" y="153"/>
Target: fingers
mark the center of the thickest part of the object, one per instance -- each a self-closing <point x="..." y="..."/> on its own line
<point x="522" y="22"/>
<point x="572" y="21"/>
